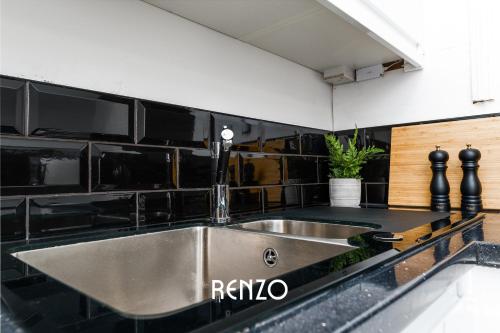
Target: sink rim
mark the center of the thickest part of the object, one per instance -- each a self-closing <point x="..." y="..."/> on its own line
<point x="340" y="241"/>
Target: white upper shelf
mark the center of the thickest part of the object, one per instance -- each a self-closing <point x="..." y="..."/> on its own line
<point x="319" y="34"/>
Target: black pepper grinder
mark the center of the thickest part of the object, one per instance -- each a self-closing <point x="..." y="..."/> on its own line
<point x="470" y="186"/>
<point x="440" y="188"/>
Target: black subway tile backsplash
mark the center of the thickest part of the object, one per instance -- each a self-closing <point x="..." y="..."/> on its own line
<point x="150" y="162"/>
<point x="277" y="138"/>
<point x="12" y="106"/>
<point x="70" y="214"/>
<point x="379" y="137"/>
<point x="377" y="193"/>
<point x="162" y="207"/>
<point x="261" y="169"/>
<point x="79" y="114"/>
<point x="117" y="167"/>
<point x="245" y="200"/>
<point x="195" y="168"/>
<point x="281" y="197"/>
<point x="315" y="194"/>
<point x="172" y="125"/>
<point x="313" y="142"/>
<point x="247" y="132"/>
<point x="301" y="170"/>
<point x="43" y="167"/>
<point x="13" y="219"/>
<point x="323" y="170"/>
<point x="376" y="170"/>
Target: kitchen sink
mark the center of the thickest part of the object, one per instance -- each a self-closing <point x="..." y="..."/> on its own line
<point x="155" y="274"/>
<point x="304" y="228"/>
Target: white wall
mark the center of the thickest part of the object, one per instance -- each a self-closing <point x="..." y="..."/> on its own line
<point x="441" y="90"/>
<point x="130" y="48"/>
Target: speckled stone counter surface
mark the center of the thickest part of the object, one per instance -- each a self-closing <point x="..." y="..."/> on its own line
<point x="339" y="293"/>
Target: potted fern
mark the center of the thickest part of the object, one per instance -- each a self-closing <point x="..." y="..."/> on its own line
<point x="345" y="170"/>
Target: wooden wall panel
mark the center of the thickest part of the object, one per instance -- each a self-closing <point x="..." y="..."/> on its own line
<point x="410" y="172"/>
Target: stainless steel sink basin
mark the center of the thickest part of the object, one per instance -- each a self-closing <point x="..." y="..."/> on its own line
<point x="304" y="228"/>
<point x="157" y="273"/>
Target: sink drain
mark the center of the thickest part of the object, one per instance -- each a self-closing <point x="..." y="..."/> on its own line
<point x="270" y="257"/>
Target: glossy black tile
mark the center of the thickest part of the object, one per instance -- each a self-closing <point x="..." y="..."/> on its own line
<point x="156" y="207"/>
<point x="379" y="137"/>
<point x="344" y="137"/>
<point x="79" y="114"/>
<point x="260" y="169"/>
<point x="116" y="167"/>
<point x="301" y="170"/>
<point x="42" y="167"/>
<point x="281" y="197"/>
<point x="377" y="193"/>
<point x="315" y="195"/>
<point x="194" y="168"/>
<point x="172" y="125"/>
<point x="247" y="132"/>
<point x="323" y="170"/>
<point x="12" y="106"/>
<point x="279" y="138"/>
<point x="313" y="142"/>
<point x="12" y="268"/>
<point x="72" y="214"/>
<point x="363" y="194"/>
<point x="192" y="204"/>
<point x="376" y="170"/>
<point x="234" y="170"/>
<point x="245" y="200"/>
<point x="13" y="219"/>
<point x="161" y="207"/>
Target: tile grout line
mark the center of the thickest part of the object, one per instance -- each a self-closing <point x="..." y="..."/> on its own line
<point x="89" y="168"/>
<point x="159" y="146"/>
<point x="26" y="109"/>
<point x="137" y="210"/>
<point x="27" y="217"/>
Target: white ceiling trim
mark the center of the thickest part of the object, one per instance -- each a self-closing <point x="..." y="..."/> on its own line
<point x="281" y="24"/>
<point x="367" y="17"/>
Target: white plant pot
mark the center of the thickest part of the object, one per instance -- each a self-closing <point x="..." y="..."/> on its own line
<point x="345" y="192"/>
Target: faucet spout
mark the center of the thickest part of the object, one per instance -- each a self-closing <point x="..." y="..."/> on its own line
<point x="220" y="190"/>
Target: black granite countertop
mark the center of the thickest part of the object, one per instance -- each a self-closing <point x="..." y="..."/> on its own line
<point x="338" y="293"/>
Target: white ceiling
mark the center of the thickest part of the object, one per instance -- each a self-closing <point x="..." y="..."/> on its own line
<point x="302" y="31"/>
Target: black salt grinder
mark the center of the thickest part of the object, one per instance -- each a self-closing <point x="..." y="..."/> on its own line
<point x="470" y="186"/>
<point x="440" y="188"/>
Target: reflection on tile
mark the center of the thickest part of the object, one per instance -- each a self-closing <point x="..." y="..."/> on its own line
<point x="376" y="170"/>
<point x="12" y="106"/>
<point x="39" y="166"/>
<point x="260" y="169"/>
<point x="194" y="168"/>
<point x="172" y="125"/>
<point x="247" y="200"/>
<point x="117" y="167"/>
<point x="192" y="204"/>
<point x="279" y="138"/>
<point x="377" y="193"/>
<point x="13" y="219"/>
<point x="247" y="132"/>
<point x="156" y="207"/>
<point x="379" y="137"/>
<point x="79" y="114"/>
<point x="301" y="170"/>
<point x="323" y="170"/>
<point x="313" y="142"/>
<point x="71" y="214"/>
<point x="344" y="137"/>
<point x="161" y="207"/>
<point x="234" y="170"/>
<point x="281" y="197"/>
<point x="315" y="195"/>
